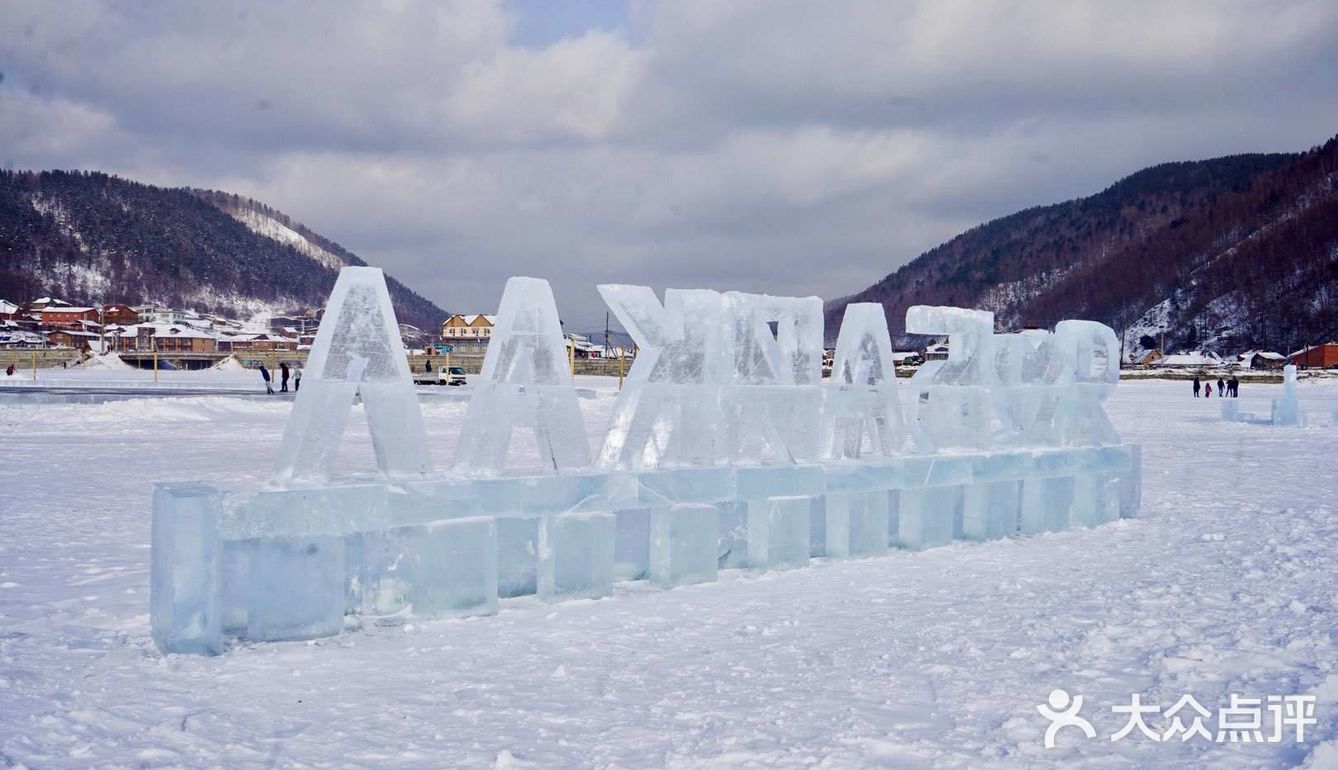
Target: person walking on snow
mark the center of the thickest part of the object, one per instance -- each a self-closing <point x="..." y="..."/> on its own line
<point x="264" y="373"/>
<point x="1196" y="386"/>
<point x="283" y="377"/>
<point x="1221" y="387"/>
<point x="1233" y="386"/>
<point x="297" y="377"/>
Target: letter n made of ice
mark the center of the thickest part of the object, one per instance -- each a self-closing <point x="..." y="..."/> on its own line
<point x="357" y="351"/>
<point x="525" y="383"/>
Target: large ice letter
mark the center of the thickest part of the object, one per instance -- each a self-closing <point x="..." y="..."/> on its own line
<point x="861" y="397"/>
<point x="525" y="383"/>
<point x="357" y="351"/>
<point x="771" y="400"/>
<point x="1092" y="354"/>
<point x="1029" y="386"/>
<point x="952" y="396"/>
<point x="667" y="413"/>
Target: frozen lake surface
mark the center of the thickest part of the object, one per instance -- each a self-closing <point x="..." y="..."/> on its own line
<point x="1227" y="584"/>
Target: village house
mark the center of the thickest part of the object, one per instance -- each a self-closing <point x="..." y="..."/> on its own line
<point x="163" y="316"/>
<point x="43" y="303"/>
<point x="581" y="347"/>
<point x="1321" y="356"/>
<point x="237" y="343"/>
<point x="165" y="338"/>
<point x="173" y="338"/>
<point x="1145" y="359"/>
<point x="67" y="338"/>
<point x="8" y="310"/>
<point x="476" y="326"/>
<point x="11" y="338"/>
<point x="1261" y="359"/>
<point x="67" y="317"/>
<point x="1197" y="359"/>
<point x="123" y="315"/>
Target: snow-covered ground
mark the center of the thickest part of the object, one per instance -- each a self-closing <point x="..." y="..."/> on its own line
<point x="1227" y="584"/>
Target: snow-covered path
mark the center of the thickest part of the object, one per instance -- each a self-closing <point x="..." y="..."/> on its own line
<point x="1227" y="584"/>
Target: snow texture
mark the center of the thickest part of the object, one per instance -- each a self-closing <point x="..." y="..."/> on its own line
<point x="928" y="659"/>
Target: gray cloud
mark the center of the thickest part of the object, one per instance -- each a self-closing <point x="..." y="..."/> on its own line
<point x="781" y="146"/>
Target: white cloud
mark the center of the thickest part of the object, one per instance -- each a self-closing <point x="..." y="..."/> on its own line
<point x="783" y="146"/>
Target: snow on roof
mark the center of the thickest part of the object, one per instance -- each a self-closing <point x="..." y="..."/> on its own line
<point x="15" y="337"/>
<point x="8" y="307"/>
<point x="181" y="331"/>
<point x="1195" y="358"/>
<point x="68" y="309"/>
<point x="253" y="336"/>
<point x="1309" y="348"/>
<point x="1270" y="355"/>
<point x="1146" y="356"/>
<point x="159" y="330"/>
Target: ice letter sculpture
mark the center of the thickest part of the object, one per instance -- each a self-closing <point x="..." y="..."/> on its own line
<point x="724" y="449"/>
<point x="952" y="404"/>
<point x="861" y="398"/>
<point x="669" y="410"/>
<point x="357" y="351"/>
<point x="525" y="383"/>
<point x="1286" y="410"/>
<point x="770" y="403"/>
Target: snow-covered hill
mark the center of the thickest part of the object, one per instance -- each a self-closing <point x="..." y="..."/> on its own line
<point x="1223" y="254"/>
<point x="89" y="237"/>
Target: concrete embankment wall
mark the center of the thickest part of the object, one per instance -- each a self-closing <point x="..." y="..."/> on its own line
<point x="45" y="358"/>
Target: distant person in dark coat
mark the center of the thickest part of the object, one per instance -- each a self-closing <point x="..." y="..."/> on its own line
<point x="1221" y="387"/>
<point x="283" y="377"/>
<point x="264" y="373"/>
<point x="1208" y="389"/>
<point x="427" y="366"/>
<point x="1234" y="386"/>
<point x="9" y="371"/>
<point x="1197" y="386"/>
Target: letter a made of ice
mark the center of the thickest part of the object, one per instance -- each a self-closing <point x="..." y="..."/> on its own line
<point x="357" y="350"/>
<point x="861" y="396"/>
<point x="525" y="383"/>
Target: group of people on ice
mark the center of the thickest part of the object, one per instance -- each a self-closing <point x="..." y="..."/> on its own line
<point x="286" y="372"/>
<point x="1225" y="388"/>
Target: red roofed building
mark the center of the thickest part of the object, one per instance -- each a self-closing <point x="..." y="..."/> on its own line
<point x="119" y="314"/>
<point x="1321" y="356"/>
<point x="67" y="317"/>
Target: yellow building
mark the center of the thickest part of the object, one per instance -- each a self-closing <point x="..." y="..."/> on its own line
<point x="475" y="326"/>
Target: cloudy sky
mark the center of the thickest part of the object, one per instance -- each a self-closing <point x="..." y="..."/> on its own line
<point x="785" y="146"/>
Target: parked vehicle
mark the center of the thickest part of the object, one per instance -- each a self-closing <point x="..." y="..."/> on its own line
<point x="456" y="376"/>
